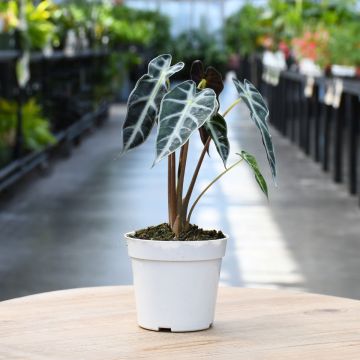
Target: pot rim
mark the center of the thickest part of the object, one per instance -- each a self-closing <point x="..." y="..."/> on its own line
<point x="126" y="235"/>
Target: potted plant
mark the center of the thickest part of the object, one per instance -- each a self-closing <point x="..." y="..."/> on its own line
<point x="176" y="265"/>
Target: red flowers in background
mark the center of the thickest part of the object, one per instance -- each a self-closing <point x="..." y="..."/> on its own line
<point x="312" y="45"/>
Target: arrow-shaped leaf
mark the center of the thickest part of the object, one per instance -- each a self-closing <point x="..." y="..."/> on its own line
<point x="250" y="159"/>
<point x="259" y="114"/>
<point x="183" y="110"/>
<point x="144" y="101"/>
<point x="216" y="127"/>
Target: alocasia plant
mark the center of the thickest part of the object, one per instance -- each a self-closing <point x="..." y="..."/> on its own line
<point x="181" y="111"/>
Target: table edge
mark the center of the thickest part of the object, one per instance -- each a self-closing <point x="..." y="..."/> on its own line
<point x="129" y="288"/>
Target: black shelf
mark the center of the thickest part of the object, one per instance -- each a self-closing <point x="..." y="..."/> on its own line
<point x="324" y="131"/>
<point x="64" y="87"/>
<point x="12" y="55"/>
<point x="350" y="86"/>
<point x="18" y="168"/>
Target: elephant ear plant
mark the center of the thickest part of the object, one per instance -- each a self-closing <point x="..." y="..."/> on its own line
<point x="180" y="111"/>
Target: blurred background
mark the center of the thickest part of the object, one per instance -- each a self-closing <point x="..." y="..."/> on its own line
<point x="66" y="196"/>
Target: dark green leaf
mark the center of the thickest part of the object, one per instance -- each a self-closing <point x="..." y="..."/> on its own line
<point x="144" y="101"/>
<point x="259" y="114"/>
<point x="183" y="110"/>
<point x="216" y="127"/>
<point x="250" y="159"/>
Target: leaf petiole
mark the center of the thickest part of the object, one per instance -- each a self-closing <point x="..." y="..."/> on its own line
<point x="202" y="84"/>
<point x="231" y="107"/>
<point x="208" y="187"/>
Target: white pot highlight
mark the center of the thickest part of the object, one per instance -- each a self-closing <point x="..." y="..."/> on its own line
<point x="176" y="282"/>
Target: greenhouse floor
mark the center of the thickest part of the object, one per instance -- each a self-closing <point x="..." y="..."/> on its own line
<point x="65" y="230"/>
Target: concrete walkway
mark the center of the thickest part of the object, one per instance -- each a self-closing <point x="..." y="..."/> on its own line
<point x="65" y="230"/>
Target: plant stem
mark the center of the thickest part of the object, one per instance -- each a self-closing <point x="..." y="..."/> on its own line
<point x="180" y="219"/>
<point x="169" y="190"/>
<point x="174" y="185"/>
<point x="208" y="187"/>
<point x="195" y="175"/>
<point x="231" y="107"/>
<point x="181" y="175"/>
<point x="172" y="188"/>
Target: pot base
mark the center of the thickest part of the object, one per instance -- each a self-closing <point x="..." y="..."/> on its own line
<point x="174" y="329"/>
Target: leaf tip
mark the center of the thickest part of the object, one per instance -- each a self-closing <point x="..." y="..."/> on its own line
<point x="122" y="152"/>
<point x="157" y="159"/>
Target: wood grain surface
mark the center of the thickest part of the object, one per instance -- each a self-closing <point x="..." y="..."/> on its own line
<point x="100" y="324"/>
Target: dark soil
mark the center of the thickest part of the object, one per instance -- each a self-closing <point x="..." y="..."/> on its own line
<point x="164" y="232"/>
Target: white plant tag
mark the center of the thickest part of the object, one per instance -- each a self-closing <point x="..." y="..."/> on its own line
<point x="309" y="87"/>
<point x="329" y="95"/>
<point x="339" y="86"/>
<point x="23" y="69"/>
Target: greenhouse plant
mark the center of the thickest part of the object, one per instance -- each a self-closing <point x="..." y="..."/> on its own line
<point x="36" y="128"/>
<point x="176" y="265"/>
<point x="344" y="50"/>
<point x="40" y="30"/>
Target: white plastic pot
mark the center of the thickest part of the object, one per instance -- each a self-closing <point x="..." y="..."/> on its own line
<point x="176" y="282"/>
<point x="308" y="67"/>
<point x="343" y="71"/>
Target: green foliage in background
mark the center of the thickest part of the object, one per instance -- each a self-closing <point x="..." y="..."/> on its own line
<point x="124" y="25"/>
<point x="344" y="45"/>
<point x="40" y="29"/>
<point x="36" y="131"/>
<point x="199" y="44"/>
<point x="330" y="12"/>
<point x="243" y="29"/>
<point x="255" y="27"/>
<point x="8" y="16"/>
<point x="103" y="23"/>
<point x="111" y="25"/>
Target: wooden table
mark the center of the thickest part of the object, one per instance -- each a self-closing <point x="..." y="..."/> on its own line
<point x="100" y="324"/>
